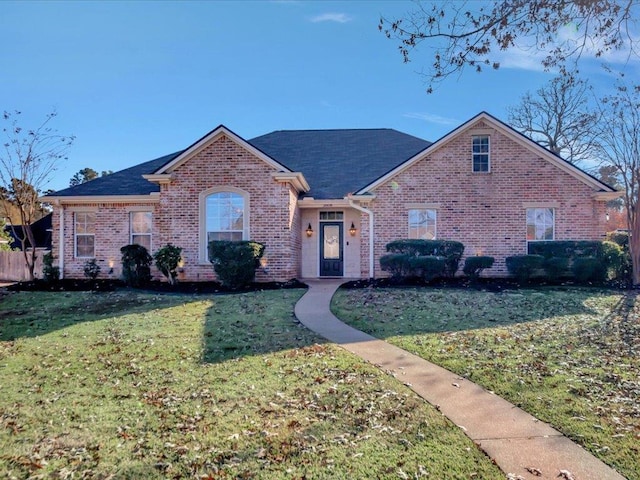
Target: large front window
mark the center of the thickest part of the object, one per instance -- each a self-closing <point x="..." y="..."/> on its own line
<point x="225" y="216"/>
<point x="422" y="224"/>
<point x="85" y="234"/>
<point x="141" y="229"/>
<point x="540" y="224"/>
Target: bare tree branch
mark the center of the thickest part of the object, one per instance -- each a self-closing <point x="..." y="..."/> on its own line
<point x="471" y="34"/>
<point x="28" y="160"/>
<point x="558" y="117"/>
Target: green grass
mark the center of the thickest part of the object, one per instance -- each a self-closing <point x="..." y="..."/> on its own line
<point x="568" y="356"/>
<point x="136" y="385"/>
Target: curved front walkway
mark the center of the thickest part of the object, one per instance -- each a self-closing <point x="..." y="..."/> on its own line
<point x="519" y="443"/>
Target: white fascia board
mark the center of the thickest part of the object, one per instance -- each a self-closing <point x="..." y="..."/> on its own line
<point x="87" y="199"/>
<point x="607" y="196"/>
<point x="163" y="178"/>
<point x="296" y="179"/>
<point x="324" y="203"/>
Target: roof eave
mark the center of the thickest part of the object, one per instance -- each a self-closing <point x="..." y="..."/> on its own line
<point x="153" y="197"/>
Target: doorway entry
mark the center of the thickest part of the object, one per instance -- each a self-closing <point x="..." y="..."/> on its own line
<point x="331" y="249"/>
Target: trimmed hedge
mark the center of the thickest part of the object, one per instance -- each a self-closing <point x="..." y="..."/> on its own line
<point x="427" y="267"/>
<point x="523" y="267"/>
<point x="397" y="264"/>
<point x="235" y="263"/>
<point x="449" y="249"/>
<point x="556" y="267"/>
<point x="561" y="255"/>
<point x="589" y="269"/>
<point x="473" y="266"/>
<point x="135" y="265"/>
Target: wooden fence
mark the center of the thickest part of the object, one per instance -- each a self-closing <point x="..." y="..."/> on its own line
<point x="13" y="267"/>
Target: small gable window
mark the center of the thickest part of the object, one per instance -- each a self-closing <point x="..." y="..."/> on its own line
<point x="85" y="234"/>
<point x="422" y="224"/>
<point x="540" y="224"/>
<point x="480" y="153"/>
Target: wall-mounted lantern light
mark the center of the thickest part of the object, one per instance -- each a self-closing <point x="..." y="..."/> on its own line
<point x="606" y="216"/>
<point x="352" y="230"/>
<point x="309" y="231"/>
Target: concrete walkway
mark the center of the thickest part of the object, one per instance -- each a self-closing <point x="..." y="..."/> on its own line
<point x="519" y="443"/>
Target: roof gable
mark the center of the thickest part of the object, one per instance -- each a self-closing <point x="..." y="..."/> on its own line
<point x="212" y="137"/>
<point x="504" y="129"/>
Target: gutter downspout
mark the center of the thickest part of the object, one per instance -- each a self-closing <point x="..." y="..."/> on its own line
<point x="61" y="246"/>
<point x="370" y="213"/>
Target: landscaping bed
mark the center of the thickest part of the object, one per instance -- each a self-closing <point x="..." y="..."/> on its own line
<point x="80" y="285"/>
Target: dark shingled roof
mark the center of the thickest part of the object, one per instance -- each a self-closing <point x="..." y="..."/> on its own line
<point x="124" y="182"/>
<point x="338" y="162"/>
<point x="334" y="162"/>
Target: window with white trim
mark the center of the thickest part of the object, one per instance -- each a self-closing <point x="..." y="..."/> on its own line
<point x="540" y="224"/>
<point x="422" y="223"/>
<point x="140" y="228"/>
<point x="224" y="216"/>
<point x="85" y="234"/>
<point x="480" y="153"/>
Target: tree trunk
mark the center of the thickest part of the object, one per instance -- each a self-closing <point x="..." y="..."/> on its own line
<point x="634" y="245"/>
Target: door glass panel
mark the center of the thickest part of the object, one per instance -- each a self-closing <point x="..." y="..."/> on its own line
<point x="331" y="247"/>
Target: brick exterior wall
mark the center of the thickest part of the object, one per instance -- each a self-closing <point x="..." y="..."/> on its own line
<point x="112" y="231"/>
<point x="485" y="211"/>
<point x="272" y="214"/>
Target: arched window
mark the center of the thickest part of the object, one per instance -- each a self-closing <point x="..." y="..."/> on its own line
<point x="224" y="215"/>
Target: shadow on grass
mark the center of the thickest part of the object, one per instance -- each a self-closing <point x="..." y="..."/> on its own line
<point x="27" y="314"/>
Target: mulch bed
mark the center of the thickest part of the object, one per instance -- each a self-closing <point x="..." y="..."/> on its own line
<point x="81" y="285"/>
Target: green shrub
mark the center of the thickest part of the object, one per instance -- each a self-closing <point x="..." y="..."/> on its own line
<point x="50" y="273"/>
<point x="473" y="266"/>
<point x="610" y="254"/>
<point x="616" y="261"/>
<point x="167" y="260"/>
<point x="566" y="248"/>
<point x="556" y="267"/>
<point x="91" y="269"/>
<point x="589" y="269"/>
<point x="427" y="267"/>
<point x="135" y="265"/>
<point x="523" y="267"/>
<point x="619" y="237"/>
<point x="397" y="264"/>
<point x="451" y="250"/>
<point x="235" y="263"/>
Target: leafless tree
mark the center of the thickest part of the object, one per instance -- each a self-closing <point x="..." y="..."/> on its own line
<point x="559" y="118"/>
<point x="472" y="34"/>
<point x="620" y="148"/>
<point x="27" y="161"/>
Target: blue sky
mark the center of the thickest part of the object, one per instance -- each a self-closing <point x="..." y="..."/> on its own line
<point x="137" y="80"/>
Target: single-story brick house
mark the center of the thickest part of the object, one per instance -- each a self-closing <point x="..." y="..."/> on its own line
<point x="326" y="202"/>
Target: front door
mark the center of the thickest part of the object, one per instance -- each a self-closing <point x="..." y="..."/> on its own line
<point x="331" y="261"/>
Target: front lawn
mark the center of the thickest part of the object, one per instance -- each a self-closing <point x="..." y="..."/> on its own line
<point x="569" y="356"/>
<point x="139" y="385"/>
